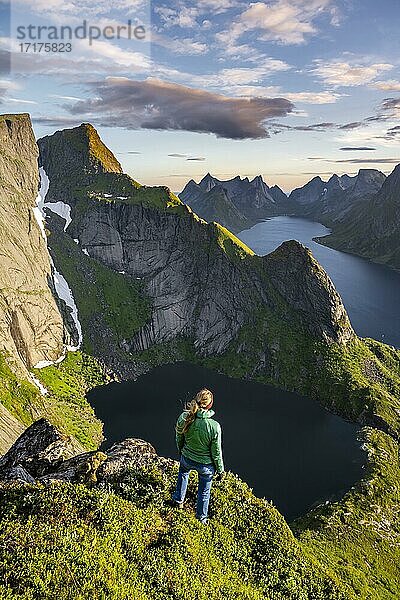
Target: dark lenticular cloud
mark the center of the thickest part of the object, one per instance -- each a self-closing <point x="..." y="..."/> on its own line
<point x="155" y="104"/>
<point x="356" y="148"/>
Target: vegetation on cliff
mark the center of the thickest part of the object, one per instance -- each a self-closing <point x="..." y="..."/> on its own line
<point x="65" y="403"/>
<point x="122" y="539"/>
<point x="126" y="542"/>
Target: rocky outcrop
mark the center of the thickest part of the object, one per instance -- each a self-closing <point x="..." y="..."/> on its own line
<point x="236" y="203"/>
<point x="43" y="455"/>
<point x="31" y="326"/>
<point x="204" y="285"/>
<point x="130" y="454"/>
<point x="39" y="450"/>
<point x="308" y="290"/>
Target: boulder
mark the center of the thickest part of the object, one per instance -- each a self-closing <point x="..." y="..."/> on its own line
<point x="39" y="450"/>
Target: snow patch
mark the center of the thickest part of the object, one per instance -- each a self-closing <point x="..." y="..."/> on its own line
<point x="76" y="241"/>
<point x="62" y="210"/>
<point x="64" y="292"/>
<point x="85" y="252"/>
<point x="39" y="385"/>
<point x="38" y="210"/>
<point x="122" y="197"/>
<point x="48" y="363"/>
<point x="61" y="286"/>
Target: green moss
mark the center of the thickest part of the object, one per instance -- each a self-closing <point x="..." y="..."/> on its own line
<point x="66" y="405"/>
<point x="231" y="245"/>
<point x="70" y="542"/>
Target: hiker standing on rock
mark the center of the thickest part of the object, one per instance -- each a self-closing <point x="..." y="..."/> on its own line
<point x="198" y="438"/>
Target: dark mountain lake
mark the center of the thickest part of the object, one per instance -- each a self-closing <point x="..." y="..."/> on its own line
<point x="370" y="292"/>
<point x="287" y="447"/>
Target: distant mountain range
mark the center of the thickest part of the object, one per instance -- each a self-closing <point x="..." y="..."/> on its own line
<point x="331" y="201"/>
<point x="371" y="227"/>
<point x="363" y="211"/>
<point x="237" y="203"/>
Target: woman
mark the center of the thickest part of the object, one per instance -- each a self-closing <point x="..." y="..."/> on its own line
<point x="198" y="438"/>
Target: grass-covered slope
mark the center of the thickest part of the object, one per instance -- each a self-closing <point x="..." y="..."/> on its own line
<point x="126" y="542"/>
<point x="358" y="538"/>
<point x="122" y="540"/>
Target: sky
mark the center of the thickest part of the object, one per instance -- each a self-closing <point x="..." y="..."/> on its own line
<point x="288" y="89"/>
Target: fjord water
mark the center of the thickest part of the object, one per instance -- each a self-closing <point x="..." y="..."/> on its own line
<point x="370" y="292"/>
<point x="287" y="447"/>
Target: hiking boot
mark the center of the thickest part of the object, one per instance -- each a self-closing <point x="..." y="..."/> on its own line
<point x="176" y="504"/>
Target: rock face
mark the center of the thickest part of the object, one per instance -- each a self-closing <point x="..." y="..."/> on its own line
<point x="308" y="290"/>
<point x="40" y="449"/>
<point x="203" y="283"/>
<point x="31" y="326"/>
<point x="372" y="228"/>
<point x="236" y="203"/>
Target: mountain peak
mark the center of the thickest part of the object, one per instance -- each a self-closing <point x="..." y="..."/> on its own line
<point x="81" y="149"/>
<point x="208" y="182"/>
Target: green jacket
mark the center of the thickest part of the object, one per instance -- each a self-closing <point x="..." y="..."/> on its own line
<point x="202" y="441"/>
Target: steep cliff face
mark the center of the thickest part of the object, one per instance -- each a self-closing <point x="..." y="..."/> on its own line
<point x="203" y="284"/>
<point x="31" y="326"/>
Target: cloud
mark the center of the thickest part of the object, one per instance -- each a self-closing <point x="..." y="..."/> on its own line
<point x="71" y="98"/>
<point x="56" y="121"/>
<point x="342" y="74"/>
<point x="324" y="97"/>
<point x="352" y="148"/>
<point x="390" y="107"/>
<point x="393" y="132"/>
<point x="20" y="101"/>
<point x="283" y="21"/>
<point x="179" y="46"/>
<point x="58" y="9"/>
<point x="129" y="152"/>
<point x="183" y="17"/>
<point x="155" y="104"/>
<point x="312" y="127"/>
<point x="391" y="85"/>
<point x="352" y="125"/>
<point x="358" y="160"/>
<point x="101" y="58"/>
<point x="200" y="158"/>
<point x="6" y="85"/>
<point x="177" y="155"/>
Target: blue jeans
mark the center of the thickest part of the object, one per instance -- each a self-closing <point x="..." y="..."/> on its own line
<point x="206" y="473"/>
